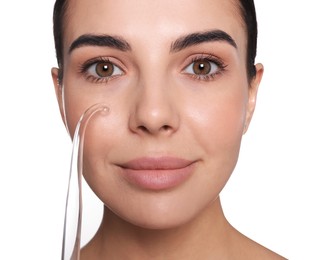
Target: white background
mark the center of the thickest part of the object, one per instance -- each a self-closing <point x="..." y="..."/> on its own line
<point x="281" y="191"/>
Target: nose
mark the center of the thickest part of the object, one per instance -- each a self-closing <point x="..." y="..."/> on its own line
<point x="154" y="111"/>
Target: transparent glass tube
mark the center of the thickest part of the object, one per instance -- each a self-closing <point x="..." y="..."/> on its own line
<point x="71" y="243"/>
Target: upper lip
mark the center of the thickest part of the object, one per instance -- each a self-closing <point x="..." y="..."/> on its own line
<point x="156" y="163"/>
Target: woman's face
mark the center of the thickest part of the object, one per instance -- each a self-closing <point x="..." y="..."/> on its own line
<point x="173" y="74"/>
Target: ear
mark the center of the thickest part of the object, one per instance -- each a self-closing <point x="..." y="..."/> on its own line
<point x="252" y="98"/>
<point x="58" y="90"/>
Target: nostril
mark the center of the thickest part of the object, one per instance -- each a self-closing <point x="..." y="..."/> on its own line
<point x="143" y="128"/>
<point x="165" y="128"/>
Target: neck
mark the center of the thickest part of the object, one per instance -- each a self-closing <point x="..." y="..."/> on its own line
<point x="207" y="234"/>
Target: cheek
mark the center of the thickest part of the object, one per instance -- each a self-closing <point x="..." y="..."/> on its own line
<point x="217" y="122"/>
<point x="217" y="128"/>
<point x="74" y="106"/>
<point x="77" y="98"/>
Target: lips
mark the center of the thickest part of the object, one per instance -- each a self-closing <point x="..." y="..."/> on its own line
<point x="157" y="173"/>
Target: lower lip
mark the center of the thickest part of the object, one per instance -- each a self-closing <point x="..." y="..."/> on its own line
<point x="157" y="179"/>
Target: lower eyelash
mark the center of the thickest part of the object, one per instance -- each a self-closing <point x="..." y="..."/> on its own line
<point x="207" y="77"/>
<point x="97" y="80"/>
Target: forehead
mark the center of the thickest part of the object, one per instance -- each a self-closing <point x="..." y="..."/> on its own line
<point x="156" y="21"/>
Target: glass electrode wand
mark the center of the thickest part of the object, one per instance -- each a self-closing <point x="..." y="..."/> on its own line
<point x="71" y="242"/>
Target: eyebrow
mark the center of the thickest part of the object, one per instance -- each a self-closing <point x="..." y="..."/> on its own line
<point x="202" y="37"/>
<point x="178" y="45"/>
<point x="101" y="41"/>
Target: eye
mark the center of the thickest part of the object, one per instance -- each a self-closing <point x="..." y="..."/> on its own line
<point x="100" y="70"/>
<point x="204" y="68"/>
<point x="201" y="67"/>
<point x="104" y="69"/>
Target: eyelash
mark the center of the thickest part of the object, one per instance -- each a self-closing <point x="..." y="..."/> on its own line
<point x="221" y="67"/>
<point x="84" y="69"/>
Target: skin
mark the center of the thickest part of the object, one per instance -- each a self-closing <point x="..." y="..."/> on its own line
<point x="158" y="108"/>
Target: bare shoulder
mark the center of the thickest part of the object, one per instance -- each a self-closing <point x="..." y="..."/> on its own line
<point x="260" y="252"/>
<point x="249" y="249"/>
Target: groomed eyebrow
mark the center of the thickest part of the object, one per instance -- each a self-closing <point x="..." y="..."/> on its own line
<point x="201" y="37"/>
<point x="101" y="41"/>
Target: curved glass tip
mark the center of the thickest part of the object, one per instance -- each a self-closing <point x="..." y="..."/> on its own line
<point x="73" y="212"/>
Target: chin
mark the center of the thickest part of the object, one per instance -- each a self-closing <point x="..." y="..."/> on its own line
<point x="158" y="222"/>
<point x="156" y="211"/>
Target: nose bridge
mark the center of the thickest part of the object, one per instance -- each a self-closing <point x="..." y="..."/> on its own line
<point x="154" y="110"/>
